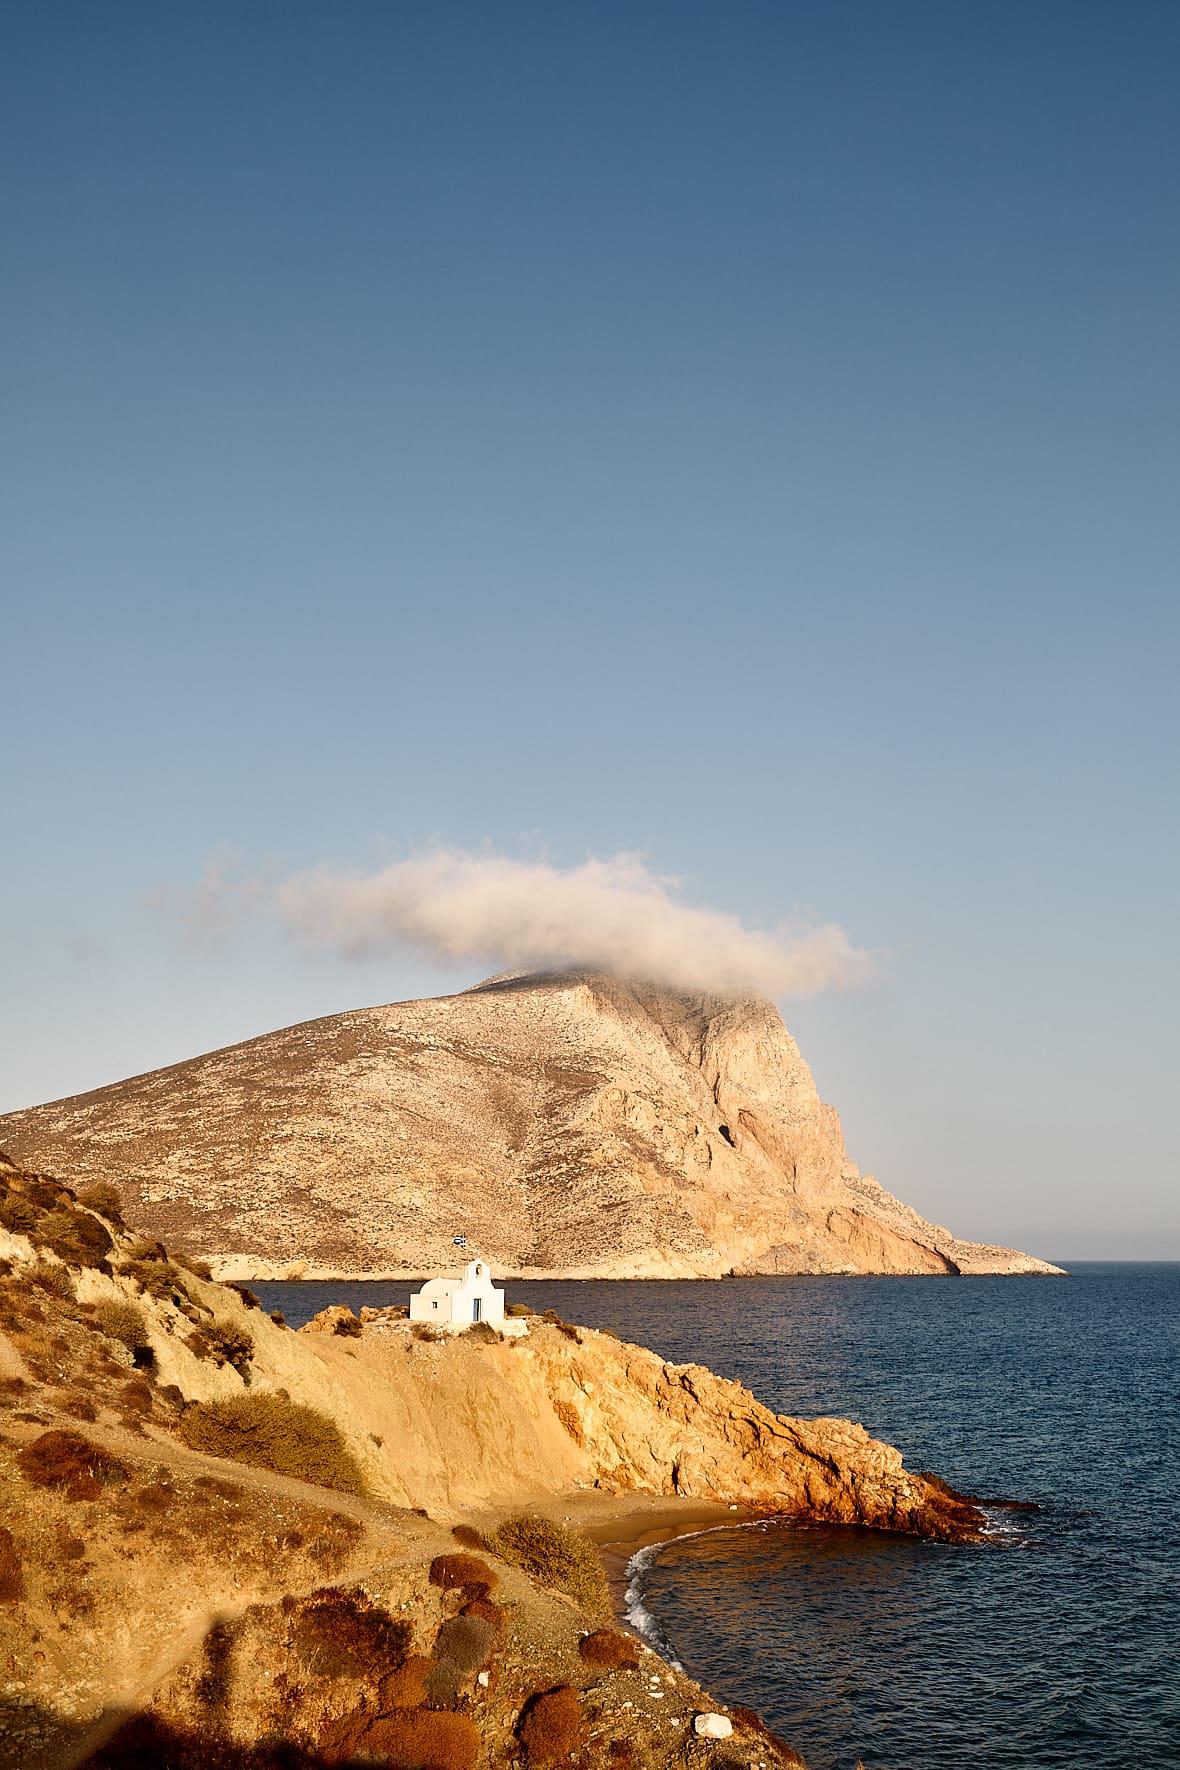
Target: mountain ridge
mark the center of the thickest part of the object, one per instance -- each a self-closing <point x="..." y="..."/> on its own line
<point x="571" y="1124"/>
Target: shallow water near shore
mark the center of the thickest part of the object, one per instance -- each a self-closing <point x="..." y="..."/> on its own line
<point x="1051" y="1645"/>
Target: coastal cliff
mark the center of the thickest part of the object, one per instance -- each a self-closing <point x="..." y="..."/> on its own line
<point x="572" y="1126"/>
<point x="151" y="1590"/>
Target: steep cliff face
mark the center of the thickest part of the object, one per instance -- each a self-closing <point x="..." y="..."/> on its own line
<point x="570" y="1125"/>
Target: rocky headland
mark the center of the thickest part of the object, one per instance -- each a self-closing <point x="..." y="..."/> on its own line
<point x="571" y="1126"/>
<point x="226" y="1544"/>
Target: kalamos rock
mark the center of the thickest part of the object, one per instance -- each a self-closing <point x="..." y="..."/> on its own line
<point x="569" y="1125"/>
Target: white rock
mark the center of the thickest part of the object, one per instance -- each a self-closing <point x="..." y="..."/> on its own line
<point x="483" y="1680"/>
<point x="713" y="1726"/>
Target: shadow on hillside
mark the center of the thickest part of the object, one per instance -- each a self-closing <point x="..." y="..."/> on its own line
<point x="146" y="1743"/>
<point x="34" y="1738"/>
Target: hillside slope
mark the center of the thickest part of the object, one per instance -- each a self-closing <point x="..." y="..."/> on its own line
<point x="570" y="1125"/>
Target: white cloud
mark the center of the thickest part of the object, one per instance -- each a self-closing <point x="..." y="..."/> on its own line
<point x="611" y="915"/>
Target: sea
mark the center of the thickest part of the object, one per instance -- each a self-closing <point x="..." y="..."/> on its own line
<point x="1055" y="1642"/>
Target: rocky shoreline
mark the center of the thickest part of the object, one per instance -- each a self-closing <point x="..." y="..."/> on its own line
<point x="203" y="1509"/>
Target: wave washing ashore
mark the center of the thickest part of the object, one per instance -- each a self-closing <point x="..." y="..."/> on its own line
<point x="1052" y="1644"/>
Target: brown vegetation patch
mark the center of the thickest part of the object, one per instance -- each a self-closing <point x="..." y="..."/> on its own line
<point x="555" y="1556"/>
<point x="467" y="1572"/>
<point x="78" y="1406"/>
<point x="468" y="1536"/>
<point x="340" y="1634"/>
<point x="75" y="1236"/>
<point x="64" y="1459"/>
<point x="424" y="1739"/>
<point x="405" y="1688"/>
<point x="106" y="1199"/>
<point x="609" y="1650"/>
<point x="222" y="1342"/>
<point x="551" y="1726"/>
<point x="270" y="1433"/>
<point x="12" y="1579"/>
<point x="333" y="1538"/>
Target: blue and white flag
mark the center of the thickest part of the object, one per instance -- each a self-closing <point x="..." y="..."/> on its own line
<point x="459" y="1241"/>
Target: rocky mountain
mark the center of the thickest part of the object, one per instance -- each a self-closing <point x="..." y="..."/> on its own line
<point x="569" y="1125"/>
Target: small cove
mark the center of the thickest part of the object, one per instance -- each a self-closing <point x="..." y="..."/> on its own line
<point x="1050" y="1645"/>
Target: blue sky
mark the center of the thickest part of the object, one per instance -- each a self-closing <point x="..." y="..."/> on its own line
<point x="745" y="436"/>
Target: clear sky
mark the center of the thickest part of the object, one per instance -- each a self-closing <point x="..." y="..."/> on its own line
<point x="740" y="435"/>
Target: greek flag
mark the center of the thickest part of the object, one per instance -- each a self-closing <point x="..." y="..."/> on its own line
<point x="459" y="1241"/>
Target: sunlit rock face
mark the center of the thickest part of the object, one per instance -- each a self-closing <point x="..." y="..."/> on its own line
<point x="570" y="1125"/>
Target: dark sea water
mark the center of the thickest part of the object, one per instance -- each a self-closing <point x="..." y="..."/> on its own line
<point x="1057" y="1642"/>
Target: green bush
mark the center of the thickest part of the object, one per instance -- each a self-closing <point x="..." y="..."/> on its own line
<point x="270" y="1433"/>
<point x="556" y="1557"/>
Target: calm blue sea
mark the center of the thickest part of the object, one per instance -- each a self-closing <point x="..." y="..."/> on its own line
<point x="1057" y="1643"/>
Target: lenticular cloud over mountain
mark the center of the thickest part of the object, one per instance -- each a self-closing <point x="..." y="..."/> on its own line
<point x="611" y="915"/>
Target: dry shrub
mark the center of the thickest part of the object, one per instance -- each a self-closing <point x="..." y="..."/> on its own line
<point x="198" y="1268"/>
<point x="159" y="1278"/>
<point x="12" y="1579"/>
<point x="279" y="1319"/>
<point x="567" y="1413"/>
<point x="244" y="1292"/>
<point x="483" y="1332"/>
<point x="465" y="1571"/>
<point x="563" y="1327"/>
<point x="136" y="1396"/>
<point x="405" y="1688"/>
<point x="78" y="1406"/>
<point x="17" y="1214"/>
<point x="610" y="1650"/>
<point x="270" y="1433"/>
<point x="63" y="1458"/>
<point x="468" y="1536"/>
<point x="157" y="1496"/>
<point x="49" y="1276"/>
<point x="342" y="1634"/>
<point x="551" y="1726"/>
<point x="106" y="1199"/>
<point x="222" y="1490"/>
<point x="144" y="1248"/>
<point x="518" y="1311"/>
<point x="424" y="1739"/>
<point x="424" y="1330"/>
<point x="223" y="1342"/>
<point x="348" y="1326"/>
<point x="125" y="1323"/>
<point x="75" y="1236"/>
<point x="337" y="1536"/>
<point x="462" y="1645"/>
<point x="556" y="1557"/>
